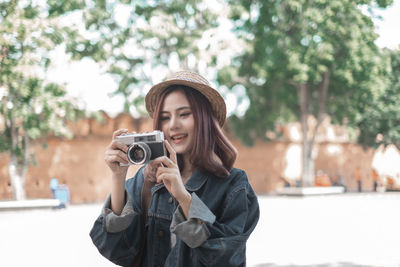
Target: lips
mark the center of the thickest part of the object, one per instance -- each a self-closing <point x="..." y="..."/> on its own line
<point x="177" y="138"/>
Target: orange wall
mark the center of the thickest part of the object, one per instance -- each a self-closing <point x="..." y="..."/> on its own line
<point x="79" y="162"/>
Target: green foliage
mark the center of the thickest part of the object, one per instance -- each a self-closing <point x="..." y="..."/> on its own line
<point x="299" y="43"/>
<point x="58" y="8"/>
<point x="31" y="107"/>
<point x="380" y="123"/>
<point x="137" y="41"/>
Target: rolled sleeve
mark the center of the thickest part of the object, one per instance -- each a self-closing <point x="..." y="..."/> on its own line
<point x="192" y="231"/>
<point x="116" y="223"/>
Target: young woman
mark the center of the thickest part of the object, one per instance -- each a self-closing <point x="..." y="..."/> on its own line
<point x="189" y="209"/>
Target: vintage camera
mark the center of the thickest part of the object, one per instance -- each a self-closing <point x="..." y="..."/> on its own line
<point x="143" y="147"/>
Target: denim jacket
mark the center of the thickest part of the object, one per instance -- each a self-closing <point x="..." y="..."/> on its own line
<point x="222" y="215"/>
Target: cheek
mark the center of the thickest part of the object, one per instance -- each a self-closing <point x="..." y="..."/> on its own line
<point x="164" y="127"/>
<point x="191" y="127"/>
<point x="190" y="124"/>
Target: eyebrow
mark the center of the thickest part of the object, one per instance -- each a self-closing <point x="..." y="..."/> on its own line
<point x="178" y="109"/>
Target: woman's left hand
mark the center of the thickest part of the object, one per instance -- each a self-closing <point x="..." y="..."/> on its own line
<point x="169" y="174"/>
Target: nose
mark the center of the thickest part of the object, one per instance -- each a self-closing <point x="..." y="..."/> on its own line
<point x="174" y="122"/>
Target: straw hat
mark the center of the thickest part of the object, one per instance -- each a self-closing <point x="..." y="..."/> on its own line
<point x="195" y="81"/>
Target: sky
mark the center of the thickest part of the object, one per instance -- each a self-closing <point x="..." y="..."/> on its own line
<point x="388" y="27"/>
<point x="92" y="86"/>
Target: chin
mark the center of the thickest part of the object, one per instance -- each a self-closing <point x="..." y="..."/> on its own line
<point x="180" y="149"/>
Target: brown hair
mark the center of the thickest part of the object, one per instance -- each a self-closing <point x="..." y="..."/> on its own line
<point x="209" y="137"/>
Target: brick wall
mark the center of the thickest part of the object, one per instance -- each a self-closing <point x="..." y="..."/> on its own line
<point x="79" y="162"/>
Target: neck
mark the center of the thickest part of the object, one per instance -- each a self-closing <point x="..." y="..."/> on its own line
<point x="187" y="170"/>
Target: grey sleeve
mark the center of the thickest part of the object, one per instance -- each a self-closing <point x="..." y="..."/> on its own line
<point x="114" y="223"/>
<point x="192" y="231"/>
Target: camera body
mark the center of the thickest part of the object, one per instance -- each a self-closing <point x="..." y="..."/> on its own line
<point x="143" y="147"/>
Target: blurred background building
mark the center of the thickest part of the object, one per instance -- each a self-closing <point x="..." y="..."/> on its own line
<point x="312" y="89"/>
<point x="79" y="162"/>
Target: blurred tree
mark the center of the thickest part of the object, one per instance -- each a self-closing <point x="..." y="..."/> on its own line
<point x="139" y="41"/>
<point x="30" y="107"/>
<point x="304" y="58"/>
<point x="380" y="122"/>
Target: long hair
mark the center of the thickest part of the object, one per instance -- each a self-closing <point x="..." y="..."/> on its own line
<point x="211" y="150"/>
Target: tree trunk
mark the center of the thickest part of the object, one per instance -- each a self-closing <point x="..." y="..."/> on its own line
<point x="308" y="153"/>
<point x="307" y="160"/>
<point x="17" y="169"/>
<point x="308" y="171"/>
<point x="17" y="179"/>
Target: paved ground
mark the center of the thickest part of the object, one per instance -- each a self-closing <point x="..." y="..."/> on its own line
<point x="341" y="230"/>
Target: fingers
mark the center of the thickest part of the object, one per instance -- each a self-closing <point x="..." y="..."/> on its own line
<point x="162" y="170"/>
<point x="152" y="167"/>
<point x="115" y="159"/>
<point x="150" y="171"/>
<point x="172" y="153"/>
<point x="115" y="144"/>
<point x="162" y="178"/>
<point x="116" y="156"/>
<point x="119" y="132"/>
<point x="165" y="161"/>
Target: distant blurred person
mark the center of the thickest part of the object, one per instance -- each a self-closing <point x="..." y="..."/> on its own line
<point x="357" y="178"/>
<point x="390" y="182"/>
<point x="342" y="181"/>
<point x="191" y="208"/>
<point x="376" y="179"/>
<point x="285" y="181"/>
<point x="322" y="179"/>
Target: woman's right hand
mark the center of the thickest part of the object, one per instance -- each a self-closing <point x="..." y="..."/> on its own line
<point x="116" y="154"/>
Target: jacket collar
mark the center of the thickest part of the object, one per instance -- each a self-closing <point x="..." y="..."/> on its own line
<point x="196" y="181"/>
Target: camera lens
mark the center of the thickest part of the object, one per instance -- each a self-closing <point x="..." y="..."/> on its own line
<point x="139" y="153"/>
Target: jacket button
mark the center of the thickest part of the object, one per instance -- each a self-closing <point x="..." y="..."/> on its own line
<point x="170" y="200"/>
<point x="161" y="233"/>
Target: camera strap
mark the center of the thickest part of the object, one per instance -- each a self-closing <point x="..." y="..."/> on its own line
<point x="146" y="198"/>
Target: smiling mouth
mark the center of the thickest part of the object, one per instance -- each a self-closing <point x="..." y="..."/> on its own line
<point x="178" y="138"/>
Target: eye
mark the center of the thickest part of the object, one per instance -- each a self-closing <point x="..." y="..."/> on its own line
<point x="164" y="118"/>
<point x="185" y="114"/>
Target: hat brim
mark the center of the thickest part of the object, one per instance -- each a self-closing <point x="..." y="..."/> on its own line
<point x="215" y="99"/>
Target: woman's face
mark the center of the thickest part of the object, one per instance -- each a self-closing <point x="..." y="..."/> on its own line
<point x="177" y="121"/>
